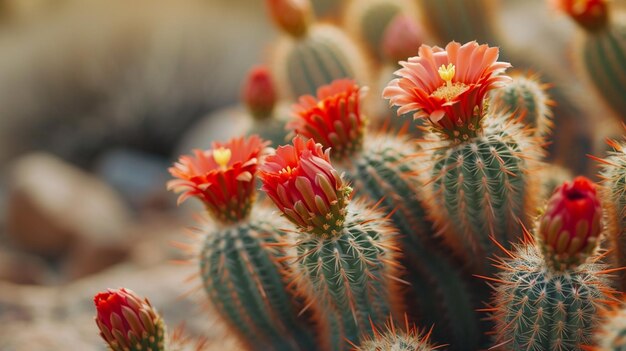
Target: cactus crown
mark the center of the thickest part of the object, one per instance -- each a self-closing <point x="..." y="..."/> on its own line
<point x="306" y="188"/>
<point x="448" y="87"/>
<point x="221" y="177"/>
<point x="569" y="229"/>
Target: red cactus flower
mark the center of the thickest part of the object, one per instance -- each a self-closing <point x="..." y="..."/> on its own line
<point x="292" y="16"/>
<point x="402" y="38"/>
<point x="333" y="118"/>
<point x="259" y="92"/>
<point x="127" y="322"/>
<point x="221" y="177"/>
<point x="448" y="86"/>
<point x="590" y="14"/>
<point x="571" y="225"/>
<point x="305" y="187"/>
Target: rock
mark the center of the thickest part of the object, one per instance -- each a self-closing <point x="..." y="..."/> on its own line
<point x="53" y="205"/>
<point x="22" y="268"/>
<point x="140" y="177"/>
<point x="61" y="318"/>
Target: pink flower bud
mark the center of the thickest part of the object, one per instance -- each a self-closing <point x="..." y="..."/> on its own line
<point x="402" y="38"/>
<point x="127" y="322"/>
<point x="259" y="93"/>
<point x="572" y="223"/>
<point x="305" y="187"/>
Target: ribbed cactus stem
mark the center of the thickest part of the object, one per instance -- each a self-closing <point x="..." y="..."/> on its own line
<point x="323" y="55"/>
<point x="614" y="195"/>
<point x="525" y="98"/>
<point x="439" y="293"/>
<point x="481" y="191"/>
<point x="244" y="274"/>
<point x="349" y="272"/>
<point x="538" y="309"/>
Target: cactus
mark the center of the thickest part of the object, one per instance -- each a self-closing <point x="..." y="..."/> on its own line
<point x="614" y="177"/>
<point x="302" y="65"/>
<point x="460" y="20"/>
<point x="367" y="20"/>
<point x="344" y="252"/>
<point x="604" y="60"/>
<point x="383" y="167"/>
<point x="242" y="267"/>
<point x="525" y="98"/>
<point x="392" y="338"/>
<point x="550" y="292"/>
<point x="602" y="54"/>
<point x="477" y="162"/>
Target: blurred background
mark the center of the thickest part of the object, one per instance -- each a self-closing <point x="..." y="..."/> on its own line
<point x="99" y="97"/>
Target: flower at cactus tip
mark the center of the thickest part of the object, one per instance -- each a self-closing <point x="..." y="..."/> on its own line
<point x="333" y="119"/>
<point x="448" y="86"/>
<point x="221" y="177"/>
<point x="128" y="322"/>
<point x="590" y="14"/>
<point x="402" y="38"/>
<point x="259" y="93"/>
<point x="303" y="184"/>
<point x="571" y="224"/>
<point x="292" y="16"/>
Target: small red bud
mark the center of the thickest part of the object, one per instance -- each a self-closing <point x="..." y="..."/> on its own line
<point x="259" y="93"/>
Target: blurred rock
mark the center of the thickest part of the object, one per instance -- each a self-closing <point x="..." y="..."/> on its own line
<point x="62" y="318"/>
<point x="53" y="206"/>
<point x="21" y="268"/>
<point x="139" y="177"/>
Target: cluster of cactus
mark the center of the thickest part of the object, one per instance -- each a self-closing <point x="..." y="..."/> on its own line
<point x="375" y="226"/>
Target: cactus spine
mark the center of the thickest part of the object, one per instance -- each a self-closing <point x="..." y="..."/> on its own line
<point x="397" y="339"/>
<point x="614" y="176"/>
<point x="611" y="335"/>
<point x="525" y="98"/>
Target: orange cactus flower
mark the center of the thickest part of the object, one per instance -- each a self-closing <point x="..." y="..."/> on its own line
<point x="448" y="86"/>
<point x="590" y="14"/>
<point x="333" y="119"/>
<point x="221" y="177"/>
<point x="303" y="184"/>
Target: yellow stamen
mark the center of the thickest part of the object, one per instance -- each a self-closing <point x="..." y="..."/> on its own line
<point x="222" y="156"/>
<point x="287" y="170"/>
<point x="447" y="73"/>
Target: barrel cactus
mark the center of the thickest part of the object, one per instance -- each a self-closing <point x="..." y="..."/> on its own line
<point x="550" y="291"/>
<point x="345" y="249"/>
<point x="407" y="338"/>
<point x="242" y="267"/>
<point x="313" y="54"/>
<point x="478" y="163"/>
